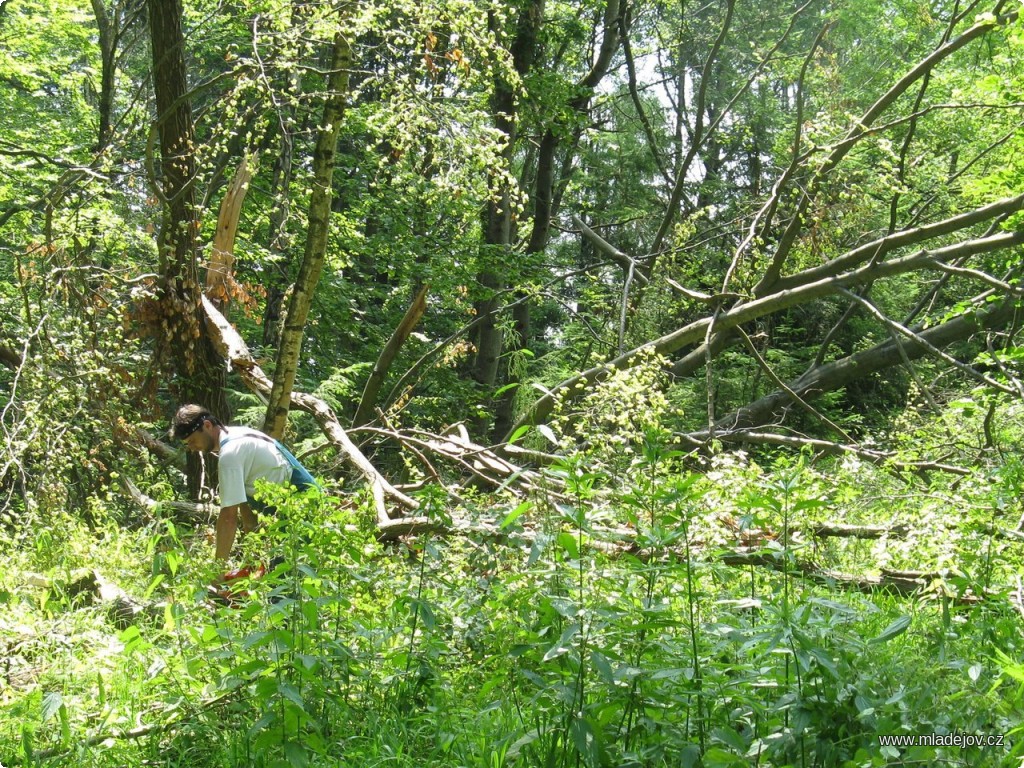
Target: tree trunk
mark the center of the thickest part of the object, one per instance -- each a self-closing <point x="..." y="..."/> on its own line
<point x="278" y="241"/>
<point x="184" y="351"/>
<point x="108" y="34"/>
<point x="316" y="236"/>
<point x="364" y="413"/>
<point x="543" y="194"/>
<point x="834" y="375"/>
<point x="498" y="223"/>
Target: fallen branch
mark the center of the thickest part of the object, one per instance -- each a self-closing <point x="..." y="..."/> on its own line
<point x="825" y="530"/>
<point x="620" y="541"/>
<point x="186" y="509"/>
<point x="481" y="462"/>
<point x="880" y="458"/>
<point x="903" y="584"/>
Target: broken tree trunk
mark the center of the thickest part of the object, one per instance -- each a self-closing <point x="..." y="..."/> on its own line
<point x="220" y="280"/>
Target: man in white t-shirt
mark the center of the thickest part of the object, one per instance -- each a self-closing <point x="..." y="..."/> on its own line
<point x="244" y="456"/>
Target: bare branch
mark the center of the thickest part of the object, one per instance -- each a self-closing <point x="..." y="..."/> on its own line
<point x="857" y="132"/>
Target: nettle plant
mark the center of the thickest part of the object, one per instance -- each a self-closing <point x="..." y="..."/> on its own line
<point x="285" y="649"/>
<point x="667" y="616"/>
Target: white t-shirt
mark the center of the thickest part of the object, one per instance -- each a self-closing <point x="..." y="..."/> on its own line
<point x="245" y="457"/>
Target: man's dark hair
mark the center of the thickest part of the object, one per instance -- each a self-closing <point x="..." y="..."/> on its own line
<point x="188" y="419"/>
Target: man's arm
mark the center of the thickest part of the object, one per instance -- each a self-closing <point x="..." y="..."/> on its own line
<point x="227" y="527"/>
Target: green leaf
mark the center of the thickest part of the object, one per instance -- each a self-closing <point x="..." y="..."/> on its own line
<point x="567" y="541"/>
<point x="565" y="607"/>
<point x="545" y="430"/>
<point x="157" y="580"/>
<point x="26" y="744"/>
<point x="65" y="724"/>
<point x="731" y="738"/>
<point x="585" y="740"/>
<point x="520" y="432"/>
<point x="291" y="693"/>
<point x="603" y="667"/>
<point x="563" y="643"/>
<point x="52" y="702"/>
<point x="515" y="514"/>
<point x="673" y="673"/>
<point x="826" y="661"/>
<point x="296" y="755"/>
<point x="719" y="758"/>
<point x="895" y="629"/>
<point x="523" y="741"/>
<point x="690" y="756"/>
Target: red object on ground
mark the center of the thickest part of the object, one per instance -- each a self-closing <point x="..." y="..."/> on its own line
<point x="233" y="596"/>
<point x="240" y="573"/>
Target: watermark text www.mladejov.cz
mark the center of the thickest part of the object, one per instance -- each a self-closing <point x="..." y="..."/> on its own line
<point x="942" y="740"/>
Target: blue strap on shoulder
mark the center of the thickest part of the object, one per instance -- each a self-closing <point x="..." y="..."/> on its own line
<point x="301" y="477"/>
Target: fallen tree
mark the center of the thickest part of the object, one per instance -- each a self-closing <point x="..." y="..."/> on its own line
<point x="824" y="377"/>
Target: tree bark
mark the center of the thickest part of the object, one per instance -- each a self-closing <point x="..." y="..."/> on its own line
<point x="184" y="349"/>
<point x="10" y="357"/>
<point x="289" y="350"/>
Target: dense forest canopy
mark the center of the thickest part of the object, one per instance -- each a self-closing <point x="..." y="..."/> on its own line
<point x="513" y="251"/>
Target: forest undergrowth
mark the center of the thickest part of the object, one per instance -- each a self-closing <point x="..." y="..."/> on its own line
<point x="648" y="608"/>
